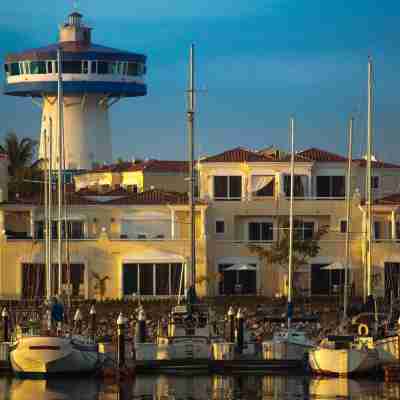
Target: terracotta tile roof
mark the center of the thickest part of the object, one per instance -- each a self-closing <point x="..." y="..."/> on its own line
<point x="154" y="196"/>
<point x="315" y="154"/>
<point x="239" y="154"/>
<point x="160" y="166"/>
<point x="34" y="200"/>
<point x="393" y="199"/>
<point x="148" y="166"/>
<point x="376" y="164"/>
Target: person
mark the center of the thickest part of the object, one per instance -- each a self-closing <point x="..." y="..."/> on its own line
<point x="57" y="314"/>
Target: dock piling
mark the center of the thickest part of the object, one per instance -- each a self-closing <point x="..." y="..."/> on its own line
<point x="240" y="331"/>
<point x="92" y="322"/>
<point x="231" y="322"/>
<point x="121" y="340"/>
<point x="78" y="321"/>
<point x="6" y="325"/>
<point x="141" y="329"/>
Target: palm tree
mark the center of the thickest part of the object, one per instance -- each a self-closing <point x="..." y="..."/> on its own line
<point x="20" y="155"/>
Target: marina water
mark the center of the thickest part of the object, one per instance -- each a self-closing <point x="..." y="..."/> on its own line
<point x="198" y="387"/>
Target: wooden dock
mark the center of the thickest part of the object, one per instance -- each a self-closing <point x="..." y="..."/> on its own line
<point x="217" y="366"/>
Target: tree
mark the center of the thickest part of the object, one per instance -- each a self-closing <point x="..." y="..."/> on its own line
<point x="100" y="285"/>
<point x="20" y="155"/>
<point x="278" y="252"/>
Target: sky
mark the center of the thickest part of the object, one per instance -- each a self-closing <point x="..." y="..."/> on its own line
<point x="258" y="62"/>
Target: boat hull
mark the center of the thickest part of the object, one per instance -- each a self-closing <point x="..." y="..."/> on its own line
<point x="52" y="355"/>
<point x="388" y="349"/>
<point x="285" y="350"/>
<point x="343" y="361"/>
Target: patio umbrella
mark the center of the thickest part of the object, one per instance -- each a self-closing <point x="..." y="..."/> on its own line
<point x="334" y="266"/>
<point x="240" y="267"/>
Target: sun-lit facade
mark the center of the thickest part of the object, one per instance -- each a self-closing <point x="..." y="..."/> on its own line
<point x="139" y="236"/>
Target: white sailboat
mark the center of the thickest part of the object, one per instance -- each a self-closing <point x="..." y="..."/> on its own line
<point x="290" y="343"/>
<point x="44" y="354"/>
<point x="188" y="335"/>
<point x="346" y="355"/>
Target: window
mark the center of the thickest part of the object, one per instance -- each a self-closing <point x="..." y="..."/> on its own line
<point x="303" y="230"/>
<point x="75" y="229"/>
<point x="49" y="67"/>
<point x="152" y="279"/>
<point x="132" y="188"/>
<point x="72" y="67"/>
<point x="377" y="230"/>
<point x="94" y="67"/>
<point x="220" y="226"/>
<point x="85" y="67"/>
<point x="227" y="187"/>
<point x="38" y="67"/>
<point x="262" y="185"/>
<point x="261" y="231"/>
<point x="374" y="182"/>
<point x="343" y="226"/>
<point x="300" y="185"/>
<point x="102" y="67"/>
<point x="133" y="69"/>
<point x="14" y="69"/>
<point x="331" y="186"/>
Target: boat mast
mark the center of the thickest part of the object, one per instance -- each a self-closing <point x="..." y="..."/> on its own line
<point x="190" y="124"/>
<point x="49" y="225"/>
<point x="290" y="274"/>
<point x="368" y="184"/>
<point x="60" y="101"/>
<point x="348" y="219"/>
<point x="45" y="222"/>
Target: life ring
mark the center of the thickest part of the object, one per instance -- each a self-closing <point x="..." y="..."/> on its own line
<point x="363" y="330"/>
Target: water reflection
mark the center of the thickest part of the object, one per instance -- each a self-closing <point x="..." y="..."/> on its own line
<point x="216" y="387"/>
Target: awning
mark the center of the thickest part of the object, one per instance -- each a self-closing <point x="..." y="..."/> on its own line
<point x="241" y="267"/>
<point x="146" y="215"/>
<point x="334" y="266"/>
<point x="152" y="257"/>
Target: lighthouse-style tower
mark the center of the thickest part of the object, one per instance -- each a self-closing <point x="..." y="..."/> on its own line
<point x="93" y="79"/>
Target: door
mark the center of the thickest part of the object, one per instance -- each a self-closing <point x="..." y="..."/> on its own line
<point x="392" y="276"/>
<point x="130" y="279"/>
<point x="320" y="282"/>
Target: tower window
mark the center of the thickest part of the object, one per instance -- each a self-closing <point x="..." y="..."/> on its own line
<point x="72" y="67"/>
<point x="38" y="67"/>
<point x="102" y="67"/>
<point x="14" y="69"/>
<point x="85" y="67"/>
<point x="133" y="69"/>
<point x="94" y="67"/>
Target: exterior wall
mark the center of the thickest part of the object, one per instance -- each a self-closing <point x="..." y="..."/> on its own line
<point x="102" y="250"/>
<point x="104" y="256"/>
<point x="173" y="182"/>
<point x="96" y="179"/>
<point x="133" y="178"/>
<point x="86" y="131"/>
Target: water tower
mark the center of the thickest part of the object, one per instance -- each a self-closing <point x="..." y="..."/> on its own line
<point x="94" y="78"/>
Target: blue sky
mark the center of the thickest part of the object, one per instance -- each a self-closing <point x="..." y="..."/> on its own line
<point x="257" y="61"/>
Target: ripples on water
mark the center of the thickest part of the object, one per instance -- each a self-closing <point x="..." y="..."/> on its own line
<point x="216" y="387"/>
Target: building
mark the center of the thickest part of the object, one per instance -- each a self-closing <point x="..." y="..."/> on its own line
<point x="136" y="176"/>
<point x="139" y="238"/>
<point x="94" y="78"/>
<point x="248" y="195"/>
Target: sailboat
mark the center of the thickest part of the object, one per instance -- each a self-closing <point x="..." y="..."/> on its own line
<point x="189" y="331"/>
<point x="45" y="354"/>
<point x="289" y="343"/>
<point x="346" y="354"/>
